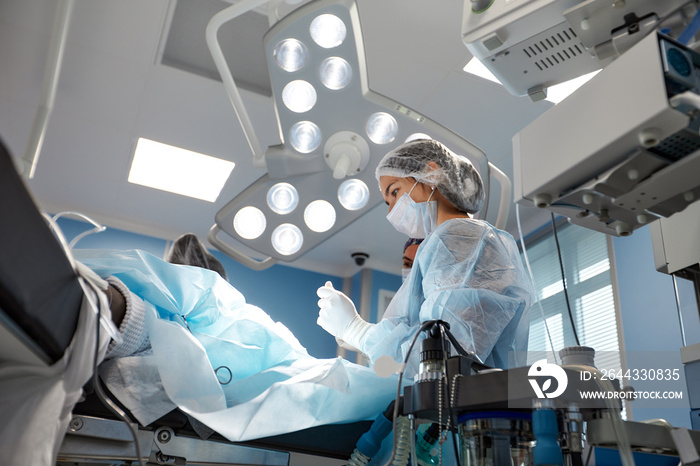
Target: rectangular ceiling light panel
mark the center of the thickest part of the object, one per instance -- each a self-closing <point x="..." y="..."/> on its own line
<point x="178" y="170"/>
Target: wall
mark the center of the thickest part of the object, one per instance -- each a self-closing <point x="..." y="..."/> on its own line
<point x="287" y="294"/>
<point x="650" y="321"/>
<point x="383" y="281"/>
<point x="380" y="281"/>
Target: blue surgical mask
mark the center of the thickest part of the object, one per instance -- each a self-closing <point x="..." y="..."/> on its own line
<point x="404" y="273"/>
<point x="414" y="219"/>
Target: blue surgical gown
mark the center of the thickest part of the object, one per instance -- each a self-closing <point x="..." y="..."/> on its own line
<point x="469" y="274"/>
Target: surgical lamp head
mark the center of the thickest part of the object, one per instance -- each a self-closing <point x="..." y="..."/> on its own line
<point x="455" y="178"/>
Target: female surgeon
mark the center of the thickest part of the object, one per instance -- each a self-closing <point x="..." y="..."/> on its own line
<point x="466" y="272"/>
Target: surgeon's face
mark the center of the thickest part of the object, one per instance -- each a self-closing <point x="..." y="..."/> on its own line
<point x="393" y="188"/>
<point x="409" y="256"/>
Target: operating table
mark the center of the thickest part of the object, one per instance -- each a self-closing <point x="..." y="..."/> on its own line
<point x="40" y="303"/>
<point x="95" y="436"/>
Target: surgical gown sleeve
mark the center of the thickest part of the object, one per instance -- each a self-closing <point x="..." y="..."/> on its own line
<point x="470" y="275"/>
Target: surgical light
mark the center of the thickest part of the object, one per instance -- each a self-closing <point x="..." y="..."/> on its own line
<point x="333" y="131"/>
<point x="416" y="136"/>
<point x="305" y="137"/>
<point x="328" y="31"/>
<point x="335" y="73"/>
<point x="282" y="198"/>
<point x="299" y="96"/>
<point x="381" y="128"/>
<point x="291" y="55"/>
<point x="287" y="239"/>
<point x="249" y="222"/>
<point x="353" y="194"/>
<point x="319" y="216"/>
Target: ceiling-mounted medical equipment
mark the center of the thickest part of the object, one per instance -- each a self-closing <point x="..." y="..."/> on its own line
<point x="530" y="45"/>
<point x="623" y="150"/>
<point x="333" y="128"/>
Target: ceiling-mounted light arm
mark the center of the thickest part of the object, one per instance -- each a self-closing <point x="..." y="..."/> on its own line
<point x="235" y="254"/>
<point x="506" y="193"/>
<point x="59" y="33"/>
<point x="213" y="27"/>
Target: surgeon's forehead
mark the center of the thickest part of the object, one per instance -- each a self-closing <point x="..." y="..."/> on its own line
<point x="386" y="181"/>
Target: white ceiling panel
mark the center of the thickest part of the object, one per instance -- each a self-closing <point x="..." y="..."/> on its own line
<point x="193" y="112"/>
<point x="98" y="150"/>
<point x="102" y="86"/>
<point x="129" y="29"/>
<point x="23" y="52"/>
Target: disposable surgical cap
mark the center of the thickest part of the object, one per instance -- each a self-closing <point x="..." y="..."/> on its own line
<point x="189" y="250"/>
<point x="411" y="242"/>
<point x="456" y="178"/>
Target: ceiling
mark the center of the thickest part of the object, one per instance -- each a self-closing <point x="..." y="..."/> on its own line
<point x="122" y="79"/>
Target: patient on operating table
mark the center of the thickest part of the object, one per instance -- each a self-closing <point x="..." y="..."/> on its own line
<point x="127" y="308"/>
<point x="190" y="341"/>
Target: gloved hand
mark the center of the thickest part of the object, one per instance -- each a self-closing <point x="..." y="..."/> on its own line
<point x="345" y="345"/>
<point x="339" y="317"/>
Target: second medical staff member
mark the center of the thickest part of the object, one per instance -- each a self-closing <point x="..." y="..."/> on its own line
<point x="409" y="255"/>
<point x="466" y="272"/>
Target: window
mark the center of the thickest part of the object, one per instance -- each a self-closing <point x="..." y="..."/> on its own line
<point x="589" y="285"/>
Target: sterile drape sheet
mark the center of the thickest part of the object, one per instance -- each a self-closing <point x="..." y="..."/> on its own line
<point x="198" y="322"/>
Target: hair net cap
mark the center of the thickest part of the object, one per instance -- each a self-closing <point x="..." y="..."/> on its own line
<point x="189" y="250"/>
<point x="411" y="242"/>
<point x="456" y="178"/>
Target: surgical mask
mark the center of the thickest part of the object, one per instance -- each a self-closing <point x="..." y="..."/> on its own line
<point x="404" y="274"/>
<point x="414" y="219"/>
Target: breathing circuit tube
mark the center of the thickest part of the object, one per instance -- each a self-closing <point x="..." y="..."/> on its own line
<point x="370" y="442"/>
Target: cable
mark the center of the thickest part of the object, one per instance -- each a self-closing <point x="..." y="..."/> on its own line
<point x="678" y="308"/>
<point x="84" y="275"/>
<point x="98" y="228"/>
<point x="450" y="400"/>
<point x="458" y="347"/>
<point x="605" y="385"/>
<point x="563" y="280"/>
<point x="690" y="30"/>
<point x="116" y="410"/>
<point x="588" y="457"/>
<point x="423" y="326"/>
<point x="532" y="280"/>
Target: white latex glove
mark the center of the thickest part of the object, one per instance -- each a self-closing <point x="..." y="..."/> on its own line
<point x="346" y="346"/>
<point x="339" y="317"/>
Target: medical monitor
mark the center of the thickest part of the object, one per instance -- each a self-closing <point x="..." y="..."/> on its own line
<point x="530" y="45"/>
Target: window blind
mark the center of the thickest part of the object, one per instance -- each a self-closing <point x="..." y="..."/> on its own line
<point x="586" y="262"/>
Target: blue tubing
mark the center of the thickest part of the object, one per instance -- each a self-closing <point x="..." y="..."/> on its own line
<point x="371" y="441"/>
<point x="546" y="430"/>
